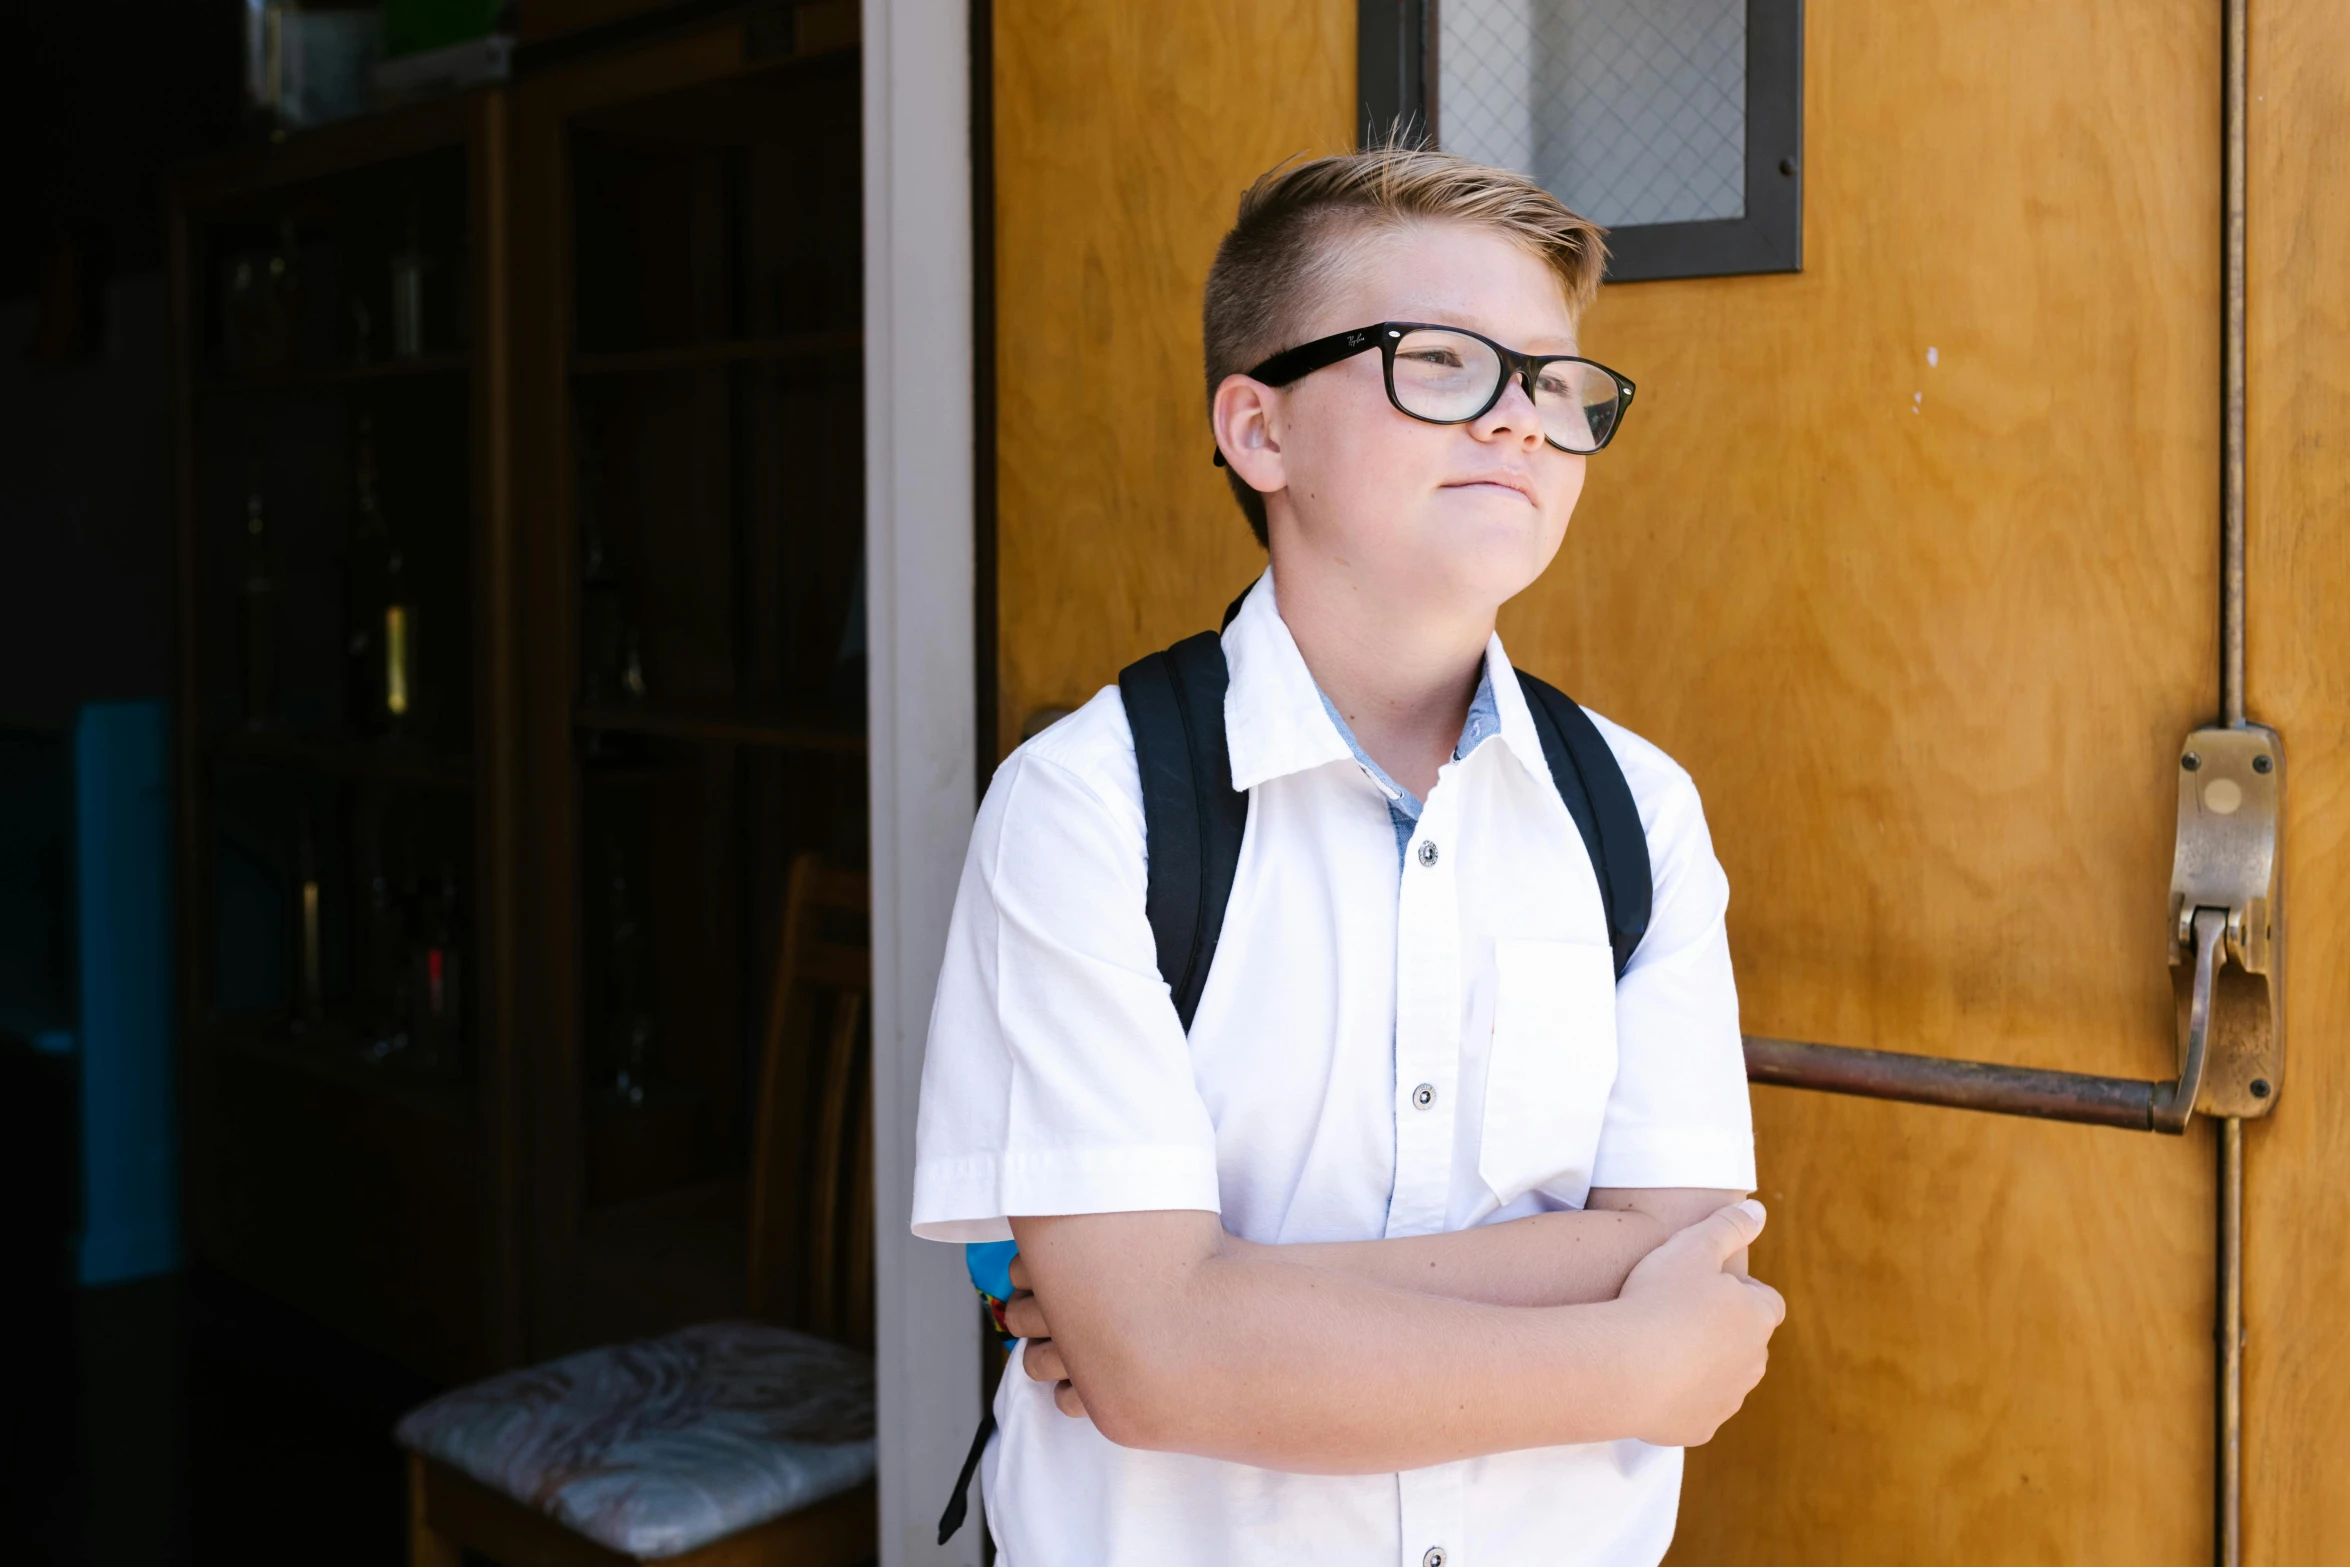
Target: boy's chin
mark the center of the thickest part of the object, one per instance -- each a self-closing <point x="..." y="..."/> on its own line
<point x="1467" y="581"/>
<point x="1492" y="550"/>
<point x="1462" y="551"/>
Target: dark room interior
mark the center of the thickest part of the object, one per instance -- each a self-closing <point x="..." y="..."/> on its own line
<point x="431" y="738"/>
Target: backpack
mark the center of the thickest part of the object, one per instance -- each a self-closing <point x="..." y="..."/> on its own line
<point x="1194" y="820"/>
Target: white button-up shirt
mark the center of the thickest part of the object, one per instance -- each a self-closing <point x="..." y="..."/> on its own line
<point x="1382" y="1049"/>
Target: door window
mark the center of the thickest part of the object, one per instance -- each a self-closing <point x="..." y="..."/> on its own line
<point x="1676" y="123"/>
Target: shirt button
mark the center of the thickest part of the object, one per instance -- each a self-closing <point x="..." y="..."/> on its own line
<point x="1424" y="1095"/>
<point x="1434" y="1558"/>
<point x="1427" y="852"/>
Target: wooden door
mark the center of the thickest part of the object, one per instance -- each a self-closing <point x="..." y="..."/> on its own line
<point x="1911" y="559"/>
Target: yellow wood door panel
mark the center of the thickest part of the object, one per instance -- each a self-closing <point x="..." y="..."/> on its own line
<point x="2297" y="1167"/>
<point x="1911" y="559"/>
<point x="1125" y="134"/>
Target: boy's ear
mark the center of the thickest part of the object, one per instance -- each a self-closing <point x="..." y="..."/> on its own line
<point x="1243" y="415"/>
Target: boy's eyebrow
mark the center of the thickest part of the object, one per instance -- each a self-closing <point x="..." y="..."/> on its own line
<point x="1467" y="318"/>
<point x="1532" y="343"/>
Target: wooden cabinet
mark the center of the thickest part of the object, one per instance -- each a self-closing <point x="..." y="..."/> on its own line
<point x="694" y="718"/>
<point x="520" y="530"/>
<point x="344" y="726"/>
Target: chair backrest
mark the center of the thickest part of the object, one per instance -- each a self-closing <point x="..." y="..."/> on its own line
<point x="811" y="1240"/>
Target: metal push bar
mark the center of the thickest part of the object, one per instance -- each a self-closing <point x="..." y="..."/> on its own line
<point x="2124" y="1102"/>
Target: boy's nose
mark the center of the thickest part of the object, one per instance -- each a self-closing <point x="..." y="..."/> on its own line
<point x="1513" y="414"/>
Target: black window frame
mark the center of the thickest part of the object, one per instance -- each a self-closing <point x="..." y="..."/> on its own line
<point x="1395" y="81"/>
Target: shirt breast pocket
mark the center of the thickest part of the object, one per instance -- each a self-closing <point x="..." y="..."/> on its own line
<point x="1552" y="1064"/>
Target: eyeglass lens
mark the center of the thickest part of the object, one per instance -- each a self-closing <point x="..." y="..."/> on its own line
<point x="1449" y="377"/>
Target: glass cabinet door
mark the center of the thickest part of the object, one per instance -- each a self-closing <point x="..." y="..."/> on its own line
<point x="714" y="463"/>
<point x="330" y="519"/>
<point x="332" y="502"/>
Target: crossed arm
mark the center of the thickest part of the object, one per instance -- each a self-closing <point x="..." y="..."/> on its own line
<point x="1625" y="1320"/>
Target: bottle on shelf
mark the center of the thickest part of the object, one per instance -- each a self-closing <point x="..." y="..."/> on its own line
<point x="408" y="267"/>
<point x="403" y="693"/>
<point x="633" y="1034"/>
<point x="366" y="579"/>
<point x="602" y="609"/>
<point x="362" y="334"/>
<point x="383" y="990"/>
<point x="262" y="328"/>
<point x="436" y="984"/>
<point x="632" y="666"/>
<point x="257" y="613"/>
<point x="309" y="954"/>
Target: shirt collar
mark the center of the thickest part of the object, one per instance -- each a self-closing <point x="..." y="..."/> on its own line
<point x="1276" y="722"/>
<point x="1517" y="719"/>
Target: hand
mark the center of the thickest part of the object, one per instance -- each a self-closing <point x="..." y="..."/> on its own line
<point x="1040" y="1357"/>
<point x="1707" y="1328"/>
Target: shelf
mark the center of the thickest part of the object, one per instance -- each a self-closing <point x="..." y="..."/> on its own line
<point x="391" y="763"/>
<point x="688" y="356"/>
<point x="605" y="773"/>
<point x="258" y="169"/>
<point x="329" y="1052"/>
<point x="782" y="732"/>
<point x="337" y="375"/>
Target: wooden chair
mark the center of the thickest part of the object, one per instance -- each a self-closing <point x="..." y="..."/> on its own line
<point x="730" y="1444"/>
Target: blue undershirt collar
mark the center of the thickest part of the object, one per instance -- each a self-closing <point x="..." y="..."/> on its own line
<point x="1403" y="806"/>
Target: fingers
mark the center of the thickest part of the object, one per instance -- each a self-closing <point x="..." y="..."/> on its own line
<point x="1025" y="1318"/>
<point x="1042" y="1361"/>
<point x="1772" y="1299"/>
<point x="1727" y="1231"/>
<point x="1019" y="1272"/>
<point x="1040" y="1357"/>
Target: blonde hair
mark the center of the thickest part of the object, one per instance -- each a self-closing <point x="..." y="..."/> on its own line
<point x="1282" y="251"/>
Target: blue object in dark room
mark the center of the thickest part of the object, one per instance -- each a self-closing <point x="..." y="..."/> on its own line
<point x="85" y="970"/>
<point x="122" y="894"/>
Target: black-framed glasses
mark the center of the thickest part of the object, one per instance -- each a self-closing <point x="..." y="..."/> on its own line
<point x="1448" y="375"/>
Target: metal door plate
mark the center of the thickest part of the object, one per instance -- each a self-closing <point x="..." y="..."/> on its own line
<point x="2231" y="786"/>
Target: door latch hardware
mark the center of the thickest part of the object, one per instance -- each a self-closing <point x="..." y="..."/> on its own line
<point x="2225" y="935"/>
<point x="2227" y="945"/>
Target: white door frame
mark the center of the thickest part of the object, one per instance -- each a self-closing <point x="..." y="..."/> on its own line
<point x="922" y="701"/>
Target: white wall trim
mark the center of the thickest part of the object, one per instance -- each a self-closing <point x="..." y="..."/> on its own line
<point x="919" y="563"/>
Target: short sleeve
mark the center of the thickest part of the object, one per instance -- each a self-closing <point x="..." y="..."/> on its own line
<point x="1679" y="1113"/>
<point x="1057" y="1077"/>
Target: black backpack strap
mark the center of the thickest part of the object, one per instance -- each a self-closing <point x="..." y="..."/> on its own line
<point x="1193" y="818"/>
<point x="1591" y="781"/>
<point x="958" y="1505"/>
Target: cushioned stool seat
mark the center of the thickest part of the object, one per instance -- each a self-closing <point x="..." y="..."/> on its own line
<point x="657" y="1447"/>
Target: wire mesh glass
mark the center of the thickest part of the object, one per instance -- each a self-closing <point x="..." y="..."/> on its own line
<point x="1630" y="111"/>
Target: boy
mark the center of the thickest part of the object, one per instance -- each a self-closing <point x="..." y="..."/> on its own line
<point x="1422" y="1246"/>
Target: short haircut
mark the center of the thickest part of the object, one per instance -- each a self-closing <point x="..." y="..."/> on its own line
<point x="1284" y="248"/>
